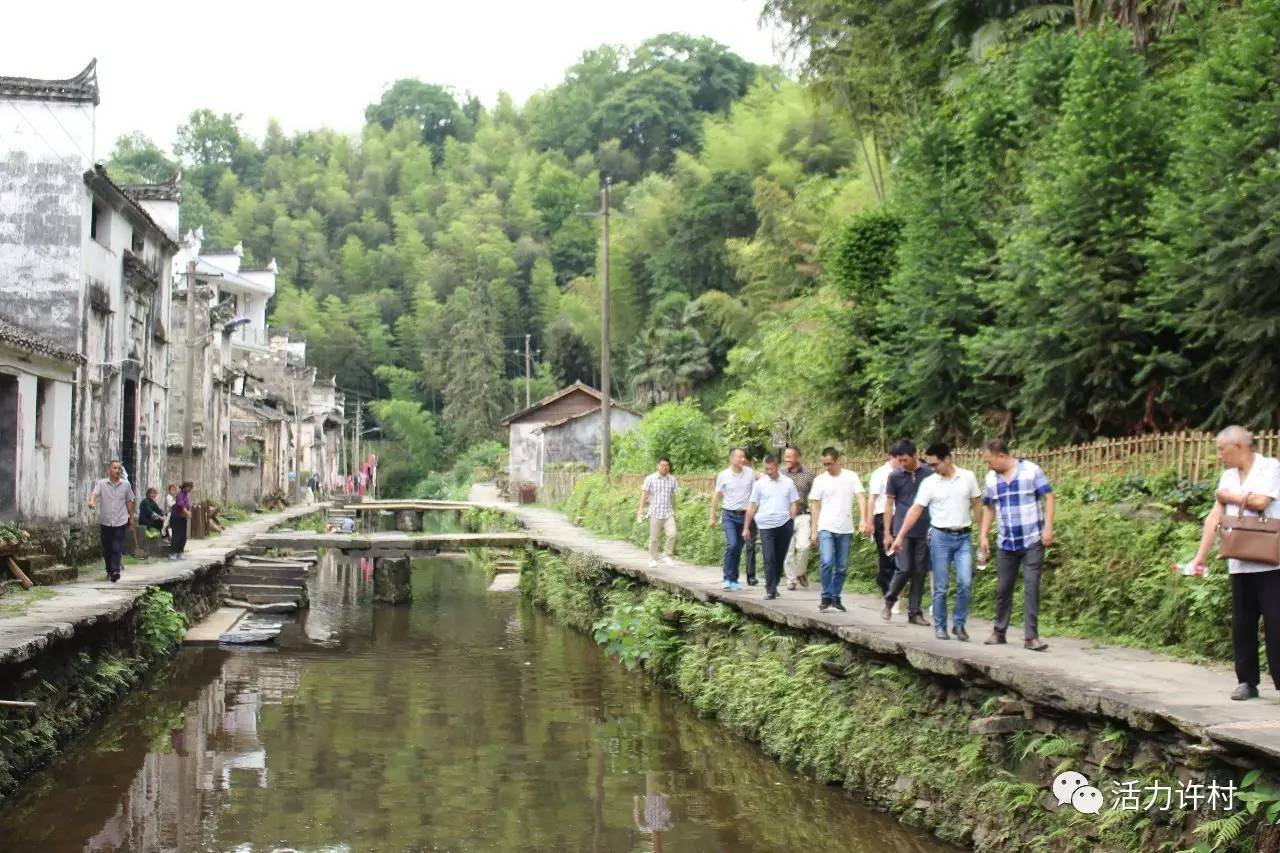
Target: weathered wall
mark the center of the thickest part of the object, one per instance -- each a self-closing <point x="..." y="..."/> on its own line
<point x="578" y="440"/>
<point x="43" y="468"/>
<point x="524" y="452"/>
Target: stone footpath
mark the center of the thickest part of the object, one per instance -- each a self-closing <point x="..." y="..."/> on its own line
<point x="1144" y="690"/>
<point x="86" y="601"/>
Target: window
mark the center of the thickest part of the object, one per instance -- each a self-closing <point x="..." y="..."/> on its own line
<point x="100" y="224"/>
<point x="44" y="412"/>
<point x="135" y="243"/>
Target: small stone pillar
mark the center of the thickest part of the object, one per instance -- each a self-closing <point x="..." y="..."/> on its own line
<point x="392" y="581"/>
<point x="409" y="521"/>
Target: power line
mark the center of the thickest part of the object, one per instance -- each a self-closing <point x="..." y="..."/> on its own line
<point x="37" y="132"/>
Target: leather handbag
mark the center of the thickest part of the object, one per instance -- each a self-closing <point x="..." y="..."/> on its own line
<point x="1255" y="538"/>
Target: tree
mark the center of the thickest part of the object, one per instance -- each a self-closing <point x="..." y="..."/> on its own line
<point x="136" y="159"/>
<point x="679" y="431"/>
<point x="1211" y="288"/>
<point x="431" y="108"/>
<point x="716" y="75"/>
<point x="652" y="115"/>
<point x="474" y="389"/>
<point x="568" y="354"/>
<point x="694" y="259"/>
<point x="209" y="139"/>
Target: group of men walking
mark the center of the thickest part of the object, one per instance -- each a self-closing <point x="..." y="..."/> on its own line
<point x="921" y="514"/>
<point x="114" y="500"/>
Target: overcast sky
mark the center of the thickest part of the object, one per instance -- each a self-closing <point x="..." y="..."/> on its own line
<point x="319" y="63"/>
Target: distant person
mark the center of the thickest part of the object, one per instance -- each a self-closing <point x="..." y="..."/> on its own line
<point x="797" y="564"/>
<point x="877" y="486"/>
<point x="773" y="506"/>
<point x="835" y="493"/>
<point x="114" y="500"/>
<point x="733" y="489"/>
<point x="912" y="559"/>
<point x="1019" y="497"/>
<point x="170" y="499"/>
<point x="658" y="494"/>
<point x="951" y="498"/>
<point x="1250" y="483"/>
<point x="345" y="524"/>
<point x="179" y="520"/>
<point x="211" y="517"/>
<point x="150" y="513"/>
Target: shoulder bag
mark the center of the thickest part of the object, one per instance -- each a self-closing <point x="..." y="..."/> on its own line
<point x="1255" y="538"/>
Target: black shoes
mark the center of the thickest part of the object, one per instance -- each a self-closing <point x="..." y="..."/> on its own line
<point x="918" y="619"/>
<point x="838" y="606"/>
<point x="1244" y="691"/>
<point x="770" y="595"/>
<point x="961" y="634"/>
<point x="752" y="581"/>
<point x="824" y="604"/>
<point x="941" y="634"/>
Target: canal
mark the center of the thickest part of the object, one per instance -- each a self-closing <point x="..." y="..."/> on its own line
<point x="468" y="721"/>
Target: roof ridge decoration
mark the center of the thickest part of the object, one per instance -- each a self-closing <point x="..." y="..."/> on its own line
<point x="170" y="190"/>
<point x="82" y="88"/>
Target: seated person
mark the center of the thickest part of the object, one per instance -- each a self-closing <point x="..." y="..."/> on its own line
<point x="346" y="524"/>
<point x="211" y="517"/>
<point x="150" y="515"/>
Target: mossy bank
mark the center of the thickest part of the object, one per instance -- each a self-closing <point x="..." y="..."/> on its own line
<point x="971" y="762"/>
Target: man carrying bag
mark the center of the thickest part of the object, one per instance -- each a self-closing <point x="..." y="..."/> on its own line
<point x="1247" y="516"/>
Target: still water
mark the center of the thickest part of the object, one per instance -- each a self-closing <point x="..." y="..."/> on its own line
<point x="467" y="722"/>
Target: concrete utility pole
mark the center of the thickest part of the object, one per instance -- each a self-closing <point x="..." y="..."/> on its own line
<point x="606" y="421"/>
<point x="359" y="463"/>
<point x="528" y="372"/>
<point x="188" y="413"/>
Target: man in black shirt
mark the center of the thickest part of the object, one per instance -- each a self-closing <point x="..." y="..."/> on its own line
<point x="913" y="558"/>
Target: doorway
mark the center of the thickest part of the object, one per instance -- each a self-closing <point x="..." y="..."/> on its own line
<point x="8" y="444"/>
<point x="129" y="431"/>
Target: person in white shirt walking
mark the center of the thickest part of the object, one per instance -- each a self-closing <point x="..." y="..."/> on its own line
<point x="658" y="494"/>
<point x="836" y="491"/>
<point x="1251" y="482"/>
<point x="114" y="500"/>
<point x="952" y="498"/>
<point x="733" y="488"/>
<point x="773" y="507"/>
<point x="877" y="486"/>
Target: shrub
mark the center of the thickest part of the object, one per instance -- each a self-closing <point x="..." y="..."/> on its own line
<point x="679" y="431"/>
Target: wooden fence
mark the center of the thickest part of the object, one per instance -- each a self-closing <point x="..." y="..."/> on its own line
<point x="1193" y="455"/>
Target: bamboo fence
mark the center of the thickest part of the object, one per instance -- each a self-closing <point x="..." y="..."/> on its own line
<point x="1192" y="455"/>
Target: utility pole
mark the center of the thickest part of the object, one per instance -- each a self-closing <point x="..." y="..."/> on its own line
<point x="606" y="420"/>
<point x="358" y="462"/>
<point x="188" y="413"/>
<point x="528" y="373"/>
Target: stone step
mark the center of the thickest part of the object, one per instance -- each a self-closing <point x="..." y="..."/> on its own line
<point x="238" y="577"/>
<point x="33" y="563"/>
<point x="262" y="593"/>
<point x="53" y="575"/>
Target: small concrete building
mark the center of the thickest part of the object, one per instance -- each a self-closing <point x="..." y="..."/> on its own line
<point x="560" y="429"/>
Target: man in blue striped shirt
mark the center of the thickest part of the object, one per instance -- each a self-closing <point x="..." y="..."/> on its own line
<point x="1020" y="496"/>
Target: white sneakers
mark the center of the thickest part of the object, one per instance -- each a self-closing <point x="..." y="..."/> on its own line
<point x="653" y="564"/>
<point x="667" y="561"/>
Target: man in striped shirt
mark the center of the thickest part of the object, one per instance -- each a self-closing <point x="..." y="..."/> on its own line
<point x="1014" y="494"/>
<point x="659" y="494"/>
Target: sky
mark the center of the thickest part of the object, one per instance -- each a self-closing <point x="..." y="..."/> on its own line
<point x="319" y="64"/>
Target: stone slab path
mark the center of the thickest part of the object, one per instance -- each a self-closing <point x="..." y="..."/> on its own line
<point x="1143" y="689"/>
<point x="213" y="626"/>
<point x="390" y="541"/>
<point x="86" y="601"/>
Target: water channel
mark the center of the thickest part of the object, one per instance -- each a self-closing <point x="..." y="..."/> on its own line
<point x="469" y="721"/>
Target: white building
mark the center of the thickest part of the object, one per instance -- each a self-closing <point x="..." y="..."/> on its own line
<point x="84" y="266"/>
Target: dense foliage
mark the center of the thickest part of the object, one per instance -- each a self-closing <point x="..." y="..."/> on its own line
<point x="1045" y="221"/>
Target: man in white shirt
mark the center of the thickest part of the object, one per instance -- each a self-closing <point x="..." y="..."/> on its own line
<point x="114" y="500"/>
<point x="773" y="506"/>
<point x="952" y="498"/>
<point x="1251" y="482"/>
<point x="834" y="494"/>
<point x="877" y="485"/>
<point x="658" y="494"/>
<point x="733" y="488"/>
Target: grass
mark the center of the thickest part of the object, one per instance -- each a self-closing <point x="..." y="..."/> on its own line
<point x="19" y="601"/>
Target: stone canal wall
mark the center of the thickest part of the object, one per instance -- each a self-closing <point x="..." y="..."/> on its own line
<point x="942" y="746"/>
<point x="78" y="651"/>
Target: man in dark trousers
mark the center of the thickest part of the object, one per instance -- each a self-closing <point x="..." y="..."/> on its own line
<point x="178" y="521"/>
<point x="773" y="506"/>
<point x="913" y="557"/>
<point x="114" y="500"/>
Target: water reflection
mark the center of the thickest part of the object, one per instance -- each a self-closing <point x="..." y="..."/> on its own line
<point x="467" y="722"/>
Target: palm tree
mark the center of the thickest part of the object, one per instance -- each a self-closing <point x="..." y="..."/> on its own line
<point x="666" y="363"/>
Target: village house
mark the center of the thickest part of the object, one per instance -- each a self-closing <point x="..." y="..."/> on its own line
<point x="563" y="428"/>
<point x="84" y="265"/>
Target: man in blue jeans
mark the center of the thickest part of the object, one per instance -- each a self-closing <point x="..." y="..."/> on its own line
<point x="733" y="487"/>
<point x="951" y="497"/>
<point x="836" y="491"/>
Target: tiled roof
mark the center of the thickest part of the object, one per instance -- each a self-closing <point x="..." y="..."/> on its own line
<point x="171" y="190"/>
<point x="588" y="412"/>
<point x="83" y="87"/>
<point x="18" y="337"/>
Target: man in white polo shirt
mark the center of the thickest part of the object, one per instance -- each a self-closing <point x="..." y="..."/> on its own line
<point x="114" y="500"/>
<point x="733" y="487"/>
<point x="834" y="494"/>
<point x="773" y="506"/>
<point x="951" y="496"/>
<point x="1250" y="483"/>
